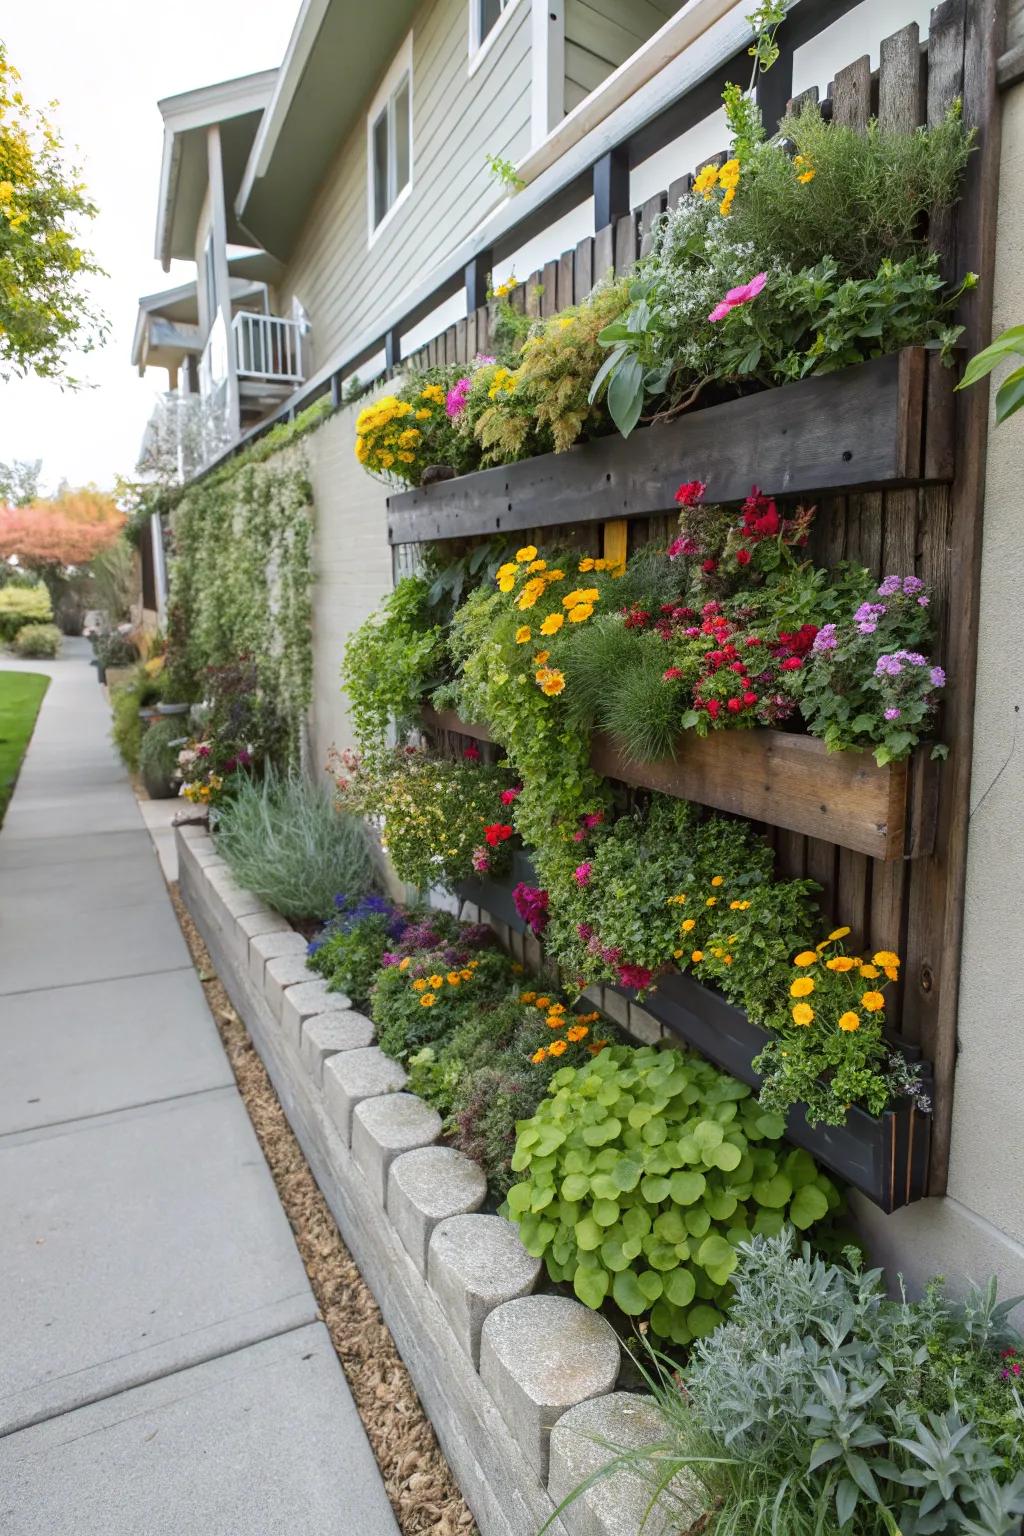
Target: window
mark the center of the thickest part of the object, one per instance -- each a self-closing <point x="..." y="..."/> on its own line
<point x="389" y="140"/>
<point x="485" y="17"/>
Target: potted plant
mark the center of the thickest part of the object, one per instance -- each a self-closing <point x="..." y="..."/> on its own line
<point x="115" y="657"/>
<point x="158" y="758"/>
<point x="178" y="689"/>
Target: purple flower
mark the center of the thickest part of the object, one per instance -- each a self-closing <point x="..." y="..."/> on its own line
<point x="584" y="931"/>
<point x="825" y="639"/>
<point x="922" y="601"/>
<point x="612" y="956"/>
<point x="455" y="401"/>
<point x="913" y="658"/>
<point x="892" y="713"/>
<point x="388" y="959"/>
<point x="888" y="666"/>
<point x="938" y="677"/>
<point x="889" y="587"/>
<point x="912" y="584"/>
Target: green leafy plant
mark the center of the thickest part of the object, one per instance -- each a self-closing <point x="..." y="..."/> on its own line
<point x="126" y="699"/>
<point x="504" y="171"/>
<point x="349" y="951"/>
<point x="645" y="1171"/>
<point x="391" y="661"/>
<point x="419" y="1004"/>
<point x="284" y="840"/>
<point x="158" y="753"/>
<point x="804" y="1412"/>
<point x="23" y="605"/>
<point x="1010" y="394"/>
<point x="38" y="640"/>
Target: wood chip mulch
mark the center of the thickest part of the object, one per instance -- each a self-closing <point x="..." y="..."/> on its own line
<point x="423" y="1493"/>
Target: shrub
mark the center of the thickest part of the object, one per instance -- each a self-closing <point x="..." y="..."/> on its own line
<point x="126" y="699"/>
<point x="349" y="951"/>
<point x="42" y="640"/>
<point x="158" y="750"/>
<point x="645" y="1171"/>
<point x="391" y="661"/>
<point x="23" y="605"/>
<point x="822" y="1407"/>
<point x="116" y="650"/>
<point x="284" y="841"/>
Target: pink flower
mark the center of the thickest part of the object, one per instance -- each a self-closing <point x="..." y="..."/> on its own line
<point x="637" y="976"/>
<point x="510" y="795"/>
<point x="689" y="494"/>
<point x="455" y="401"/>
<point x="581" y="874"/>
<point x="737" y="296"/>
<point x="480" y="861"/>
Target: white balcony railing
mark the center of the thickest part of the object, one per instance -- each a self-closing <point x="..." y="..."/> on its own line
<point x="268" y="348"/>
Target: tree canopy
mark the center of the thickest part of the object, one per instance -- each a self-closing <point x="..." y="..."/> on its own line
<point x="71" y="529"/>
<point x="45" y="311"/>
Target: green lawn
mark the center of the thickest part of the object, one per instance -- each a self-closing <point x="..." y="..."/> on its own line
<point x="21" y="694"/>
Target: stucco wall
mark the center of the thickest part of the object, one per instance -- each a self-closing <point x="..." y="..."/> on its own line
<point x="979" y="1226"/>
<point x="352" y="569"/>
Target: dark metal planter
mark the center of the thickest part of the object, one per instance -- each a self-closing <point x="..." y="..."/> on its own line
<point x="884" y="1156"/>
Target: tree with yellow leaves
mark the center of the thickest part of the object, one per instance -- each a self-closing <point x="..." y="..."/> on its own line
<point x="45" y="312"/>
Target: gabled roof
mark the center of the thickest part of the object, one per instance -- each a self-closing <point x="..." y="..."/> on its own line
<point x="338" y="52"/>
<point x="236" y="107"/>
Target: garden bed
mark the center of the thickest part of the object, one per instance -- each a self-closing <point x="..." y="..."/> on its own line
<point x="884" y="1156"/>
<point x="452" y="1287"/>
<point x="783" y="779"/>
<point x="870" y="426"/>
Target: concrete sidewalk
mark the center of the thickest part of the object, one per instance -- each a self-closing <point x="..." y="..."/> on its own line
<point x="162" y="1369"/>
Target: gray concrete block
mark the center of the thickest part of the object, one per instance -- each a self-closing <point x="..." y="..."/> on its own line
<point x="304" y="1001"/>
<point x="616" y="1007"/>
<point x="353" y="1076"/>
<point x="237" y="1445"/>
<point x="280" y="973"/>
<point x="325" y="1034"/>
<point x="270" y="946"/>
<point x="643" y="1026"/>
<point x="539" y="1356"/>
<point x="594" y="994"/>
<point x="196" y="833"/>
<point x="475" y="1263"/>
<point x="231" y="897"/>
<point x="382" y="1128"/>
<point x="616" y="1505"/>
<point x="428" y="1186"/>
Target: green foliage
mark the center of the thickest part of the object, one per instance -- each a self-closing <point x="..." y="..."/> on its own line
<point x="391" y="661"/>
<point x="21" y="694"/>
<point x="23" y="605"/>
<point x="452" y="984"/>
<point x="821" y="1408"/>
<point x="1010" y="394"/>
<point x="158" y="751"/>
<point x="645" y="1171"/>
<point x="241" y="576"/>
<point x="504" y="172"/>
<point x="866" y="200"/>
<point x="45" y="312"/>
<point x="349" y="958"/>
<point x="38" y="640"/>
<point x="116" y="650"/>
<point x="125" y="702"/>
<point x="284" y="840"/>
<point x="19" y="482"/>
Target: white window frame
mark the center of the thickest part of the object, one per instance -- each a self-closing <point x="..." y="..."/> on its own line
<point x="480" y="47"/>
<point x="401" y="65"/>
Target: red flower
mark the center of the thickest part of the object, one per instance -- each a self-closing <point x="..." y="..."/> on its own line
<point x="791" y="664"/>
<point x="508" y="796"/>
<point x="708" y="566"/>
<point x="691" y="493"/>
<point x="472" y="752"/>
<point x="670" y="674"/>
<point x="734" y="706"/>
<point x="497" y="833"/>
<point x="750" y="698"/>
<point x="743" y="557"/>
<point x="713" y="706"/>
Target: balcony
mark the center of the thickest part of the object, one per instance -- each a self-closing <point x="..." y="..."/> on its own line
<point x="268" y="362"/>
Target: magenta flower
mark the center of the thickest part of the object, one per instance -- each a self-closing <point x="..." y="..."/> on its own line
<point x="481" y="860"/>
<point x="581" y="874"/>
<point x="737" y="296"/>
<point x="455" y="401"/>
<point x="637" y="976"/>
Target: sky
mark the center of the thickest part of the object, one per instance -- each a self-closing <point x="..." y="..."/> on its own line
<point x="108" y="65"/>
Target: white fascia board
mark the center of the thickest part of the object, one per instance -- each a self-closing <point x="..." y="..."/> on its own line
<point x="300" y="45"/>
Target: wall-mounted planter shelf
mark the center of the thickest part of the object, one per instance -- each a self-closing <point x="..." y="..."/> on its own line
<point x="863" y="427"/>
<point x="784" y="779"/>
<point x="884" y="1156"/>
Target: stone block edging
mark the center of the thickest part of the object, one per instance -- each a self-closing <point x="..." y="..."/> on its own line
<point x="498" y="1450"/>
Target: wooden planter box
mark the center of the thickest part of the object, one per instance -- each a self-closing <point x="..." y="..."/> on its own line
<point x="883" y="1156"/>
<point x="783" y="779"/>
<point x="863" y="427"/>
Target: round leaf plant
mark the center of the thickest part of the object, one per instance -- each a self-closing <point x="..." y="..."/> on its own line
<point x="644" y="1170"/>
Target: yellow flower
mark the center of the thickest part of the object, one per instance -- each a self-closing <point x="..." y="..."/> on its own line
<point x="803" y="1013"/>
<point x="706" y="180"/>
<point x="540" y="658"/>
<point x="419" y="986"/>
<point x="406" y="457"/>
<point x="712" y="901"/>
<point x="806" y="957"/>
<point x="577" y="1032"/>
<point x="539" y="1056"/>
<point x="530" y="593"/>
<point x="527" y="997"/>
<point x="581" y="595"/>
<point x="840" y="963"/>
<point x="688" y="925"/>
<point x="508" y="569"/>
<point x="804" y="168"/>
<point x="838" y="933"/>
<point x="718" y="880"/>
<point x="553" y="685"/>
<point x="506" y="583"/>
<point x="466" y="975"/>
<point x="557" y="1008"/>
<point x="423" y="414"/>
<point x="555" y="576"/>
<point x="543" y="1002"/>
<point x="555" y="1021"/>
<point x="870" y="972"/>
<point x="803" y="986"/>
<point x="886" y="958"/>
<point x="526" y="554"/>
<point x="872" y="1001"/>
<point x="523" y="635"/>
<point x="697" y="956"/>
<point x="849" y="1021"/>
<point x="537" y="565"/>
<point x="586" y="565"/>
<point x="738" y="906"/>
<point x="725" y="206"/>
<point x="428" y="1000"/>
<point x="580" y="612"/>
<point x="403" y="965"/>
<point x="432" y="392"/>
<point x="437" y="982"/>
<point x="453" y="978"/>
<point x="558" y="1048"/>
<point x="552" y="624"/>
<point x="892" y="973"/>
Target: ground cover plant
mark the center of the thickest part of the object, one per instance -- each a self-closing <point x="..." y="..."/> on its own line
<point x="284" y="840"/>
<point x="21" y="694"/>
<point x="821" y="1406"/>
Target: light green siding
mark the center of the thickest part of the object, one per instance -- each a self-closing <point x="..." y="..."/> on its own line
<point x="601" y="34"/>
<point x="344" y="282"/>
